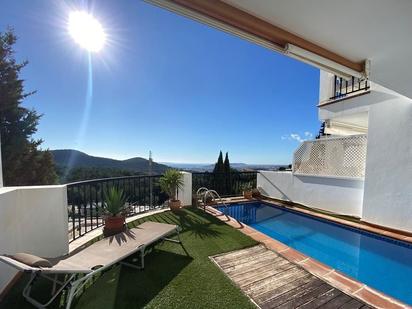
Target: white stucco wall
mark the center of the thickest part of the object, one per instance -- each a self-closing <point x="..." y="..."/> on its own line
<point x="340" y="196"/>
<point x="32" y="220"/>
<point x="388" y="180"/>
<point x="355" y="105"/>
<point x="1" y="169"/>
<point x="387" y="199"/>
<point x="326" y="80"/>
<point x="185" y="194"/>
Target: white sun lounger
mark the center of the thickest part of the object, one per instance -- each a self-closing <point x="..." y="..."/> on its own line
<point x="94" y="259"/>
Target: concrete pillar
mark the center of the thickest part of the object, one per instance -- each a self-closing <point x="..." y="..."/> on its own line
<point x="326" y="81"/>
<point x="1" y="169"/>
<point x="185" y="194"/>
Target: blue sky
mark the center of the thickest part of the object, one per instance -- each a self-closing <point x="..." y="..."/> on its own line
<point x="162" y="83"/>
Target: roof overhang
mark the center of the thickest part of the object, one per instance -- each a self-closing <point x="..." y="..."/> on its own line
<point x="231" y="19"/>
<point x="368" y="37"/>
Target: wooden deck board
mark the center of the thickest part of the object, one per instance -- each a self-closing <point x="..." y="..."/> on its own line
<point x="252" y="258"/>
<point x="240" y="254"/>
<point x="338" y="302"/>
<point x="239" y="270"/>
<point x="274" y="282"/>
<point x="298" y="290"/>
<point x="267" y="284"/>
<point x="257" y="274"/>
<point x="263" y="274"/>
<point x="353" y="304"/>
<point x="321" y="300"/>
<point x="296" y="302"/>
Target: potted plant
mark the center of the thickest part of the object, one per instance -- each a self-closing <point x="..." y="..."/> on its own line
<point x="170" y="183"/>
<point x="114" y="207"/>
<point x="247" y="191"/>
<point x="256" y="193"/>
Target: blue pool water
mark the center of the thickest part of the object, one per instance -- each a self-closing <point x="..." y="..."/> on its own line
<point x="377" y="261"/>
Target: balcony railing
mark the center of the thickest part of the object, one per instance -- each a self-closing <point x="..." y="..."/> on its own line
<point x="343" y="87"/>
<point x="340" y="157"/>
<point x="85" y="200"/>
<point x="226" y="184"/>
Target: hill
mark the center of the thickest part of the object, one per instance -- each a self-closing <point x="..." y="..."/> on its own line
<point x="77" y="159"/>
<point x="207" y="167"/>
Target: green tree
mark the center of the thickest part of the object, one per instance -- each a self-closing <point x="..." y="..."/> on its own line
<point x="24" y="163"/>
<point x="219" y="177"/>
<point x="219" y="166"/>
<point x="226" y="163"/>
<point x="228" y="176"/>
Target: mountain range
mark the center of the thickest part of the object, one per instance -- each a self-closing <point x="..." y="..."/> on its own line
<point x="207" y="167"/>
<point x="64" y="158"/>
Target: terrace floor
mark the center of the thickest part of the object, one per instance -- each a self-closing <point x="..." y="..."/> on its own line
<point x="170" y="279"/>
<point x="274" y="282"/>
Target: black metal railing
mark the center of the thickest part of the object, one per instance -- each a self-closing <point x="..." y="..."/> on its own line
<point x="343" y="87"/>
<point x="85" y="200"/>
<point x="226" y="184"/>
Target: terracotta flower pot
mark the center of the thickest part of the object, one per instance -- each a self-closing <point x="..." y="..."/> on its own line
<point x="247" y="194"/>
<point x="175" y="205"/>
<point x="256" y="193"/>
<point x="113" y="225"/>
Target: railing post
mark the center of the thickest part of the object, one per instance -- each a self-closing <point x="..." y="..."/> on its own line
<point x="339" y="92"/>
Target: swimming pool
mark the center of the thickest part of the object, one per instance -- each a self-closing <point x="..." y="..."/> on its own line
<point x="380" y="262"/>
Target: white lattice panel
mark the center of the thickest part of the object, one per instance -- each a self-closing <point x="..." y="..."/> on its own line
<point x="334" y="157"/>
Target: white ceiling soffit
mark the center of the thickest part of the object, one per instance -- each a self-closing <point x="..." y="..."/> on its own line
<point x="228" y="18"/>
<point x="378" y="30"/>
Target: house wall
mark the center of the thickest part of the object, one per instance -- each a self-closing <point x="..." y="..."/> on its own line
<point x="342" y="196"/>
<point x="326" y="80"/>
<point x="353" y="106"/>
<point x="1" y="169"/>
<point x="32" y="220"/>
<point x="388" y="180"/>
<point x="387" y="198"/>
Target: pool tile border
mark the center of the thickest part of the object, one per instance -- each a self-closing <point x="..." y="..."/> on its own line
<point x="362" y="225"/>
<point x="330" y="275"/>
<point x="359" y="228"/>
<point x="371" y="229"/>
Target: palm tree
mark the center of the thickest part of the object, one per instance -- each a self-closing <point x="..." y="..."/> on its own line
<point x="171" y="182"/>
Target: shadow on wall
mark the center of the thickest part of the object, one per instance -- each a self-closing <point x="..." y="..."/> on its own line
<point x="283" y="197"/>
<point x="329" y="181"/>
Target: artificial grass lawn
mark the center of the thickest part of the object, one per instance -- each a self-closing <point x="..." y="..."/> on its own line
<point x="171" y="279"/>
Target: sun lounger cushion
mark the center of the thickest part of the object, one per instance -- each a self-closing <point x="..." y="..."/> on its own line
<point x="31" y="260"/>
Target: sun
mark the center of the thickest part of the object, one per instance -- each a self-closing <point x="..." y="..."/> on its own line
<point x="86" y="31"/>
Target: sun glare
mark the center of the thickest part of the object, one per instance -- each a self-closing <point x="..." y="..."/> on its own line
<point x="86" y="31"/>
